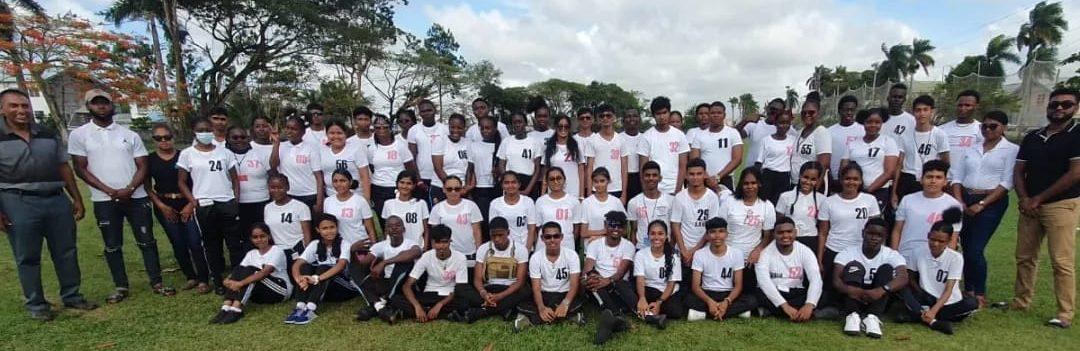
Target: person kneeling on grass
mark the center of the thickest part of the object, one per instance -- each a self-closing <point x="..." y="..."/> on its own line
<point x="554" y="273"/>
<point x="865" y="276"/>
<point x="934" y="293"/>
<point x="781" y="272"/>
<point x="498" y="278"/>
<point x="657" y="279"/>
<point x="444" y="268"/>
<point x="320" y="271"/>
<point x="717" y="281"/>
<point x="261" y="277"/>
<point x="607" y="264"/>
<point x="381" y="273"/>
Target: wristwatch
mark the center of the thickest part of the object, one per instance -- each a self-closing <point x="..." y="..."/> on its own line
<point x="982" y="203"/>
<point x="886" y="288"/>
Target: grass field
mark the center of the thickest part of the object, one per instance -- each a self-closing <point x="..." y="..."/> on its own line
<point x="147" y="321"/>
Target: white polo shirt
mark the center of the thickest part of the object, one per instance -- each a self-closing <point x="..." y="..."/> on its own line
<point x="110" y="156"/>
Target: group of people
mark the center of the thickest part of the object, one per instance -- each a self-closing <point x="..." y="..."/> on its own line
<point x="492" y="220"/>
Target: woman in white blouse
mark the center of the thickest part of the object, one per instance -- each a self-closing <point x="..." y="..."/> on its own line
<point x="339" y="154"/>
<point x="388" y="156"/>
<point x="982" y="178"/>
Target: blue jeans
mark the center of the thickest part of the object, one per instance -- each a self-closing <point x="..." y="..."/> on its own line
<point x="110" y="219"/>
<point x="48" y="218"/>
<point x="974" y="236"/>
<point x="186" y="245"/>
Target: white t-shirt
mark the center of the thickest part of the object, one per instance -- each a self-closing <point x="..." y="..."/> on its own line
<point x="807" y="149"/>
<point x="455" y="158"/>
<point x="664" y="148"/>
<point x="934" y="272"/>
<point x="746" y="223"/>
<point x="364" y="143"/>
<point x="351" y="215"/>
<point x="442" y="275"/>
<point x="481" y="156"/>
<point x="424" y="137"/>
<point x="692" y="214"/>
<point x="273" y="257"/>
<point x="962" y="136"/>
<point x="517" y="252"/>
<point x="554" y="276"/>
<point x="757" y="132"/>
<point x="562" y="159"/>
<point x="871" y="156"/>
<point x="388" y="161"/>
<point x="718" y="272"/>
<point x="608" y="258"/>
<point x="593" y="211"/>
<point x="565" y="211"/>
<point x="252" y="170"/>
<point x="473" y="133"/>
<point x="776" y="155"/>
<point x="541" y="136"/>
<point x="842" y="137"/>
<point x="609" y="155"/>
<point x="805" y="211"/>
<point x="885" y="256"/>
<point x="633" y="164"/>
<point x="209" y="172"/>
<point x="285" y="222"/>
<point x="644" y="210"/>
<point x="776" y="273"/>
<point x="383" y="250"/>
<point x="519" y="215"/>
<point x="919" y="147"/>
<point x="297" y="163"/>
<point x="717" y="149"/>
<point x="110" y="156"/>
<point x="460" y="219"/>
<point x="899" y="127"/>
<point x="520" y="154"/>
<point x="351" y="158"/>
<point x="315" y="137"/>
<point x="413" y="213"/>
<point x="847" y="218"/>
<point x="919" y="213"/>
<point x="654" y="269"/>
<point x="311" y="254"/>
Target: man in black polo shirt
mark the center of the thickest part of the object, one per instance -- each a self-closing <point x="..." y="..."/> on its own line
<point x="1046" y="179"/>
<point x="34" y="171"/>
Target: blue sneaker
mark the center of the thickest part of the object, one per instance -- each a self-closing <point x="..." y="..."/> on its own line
<point x="291" y="319"/>
<point x="305" y="317"/>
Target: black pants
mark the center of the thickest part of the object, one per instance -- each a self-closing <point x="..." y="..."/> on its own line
<point x="424" y="193"/>
<point x="186" y="242"/>
<point x="379" y="195"/>
<point x="882" y="277"/>
<point x="795" y="298"/>
<point x="483" y="197"/>
<point x="466" y="297"/>
<point x="674" y="307"/>
<point x="248" y="214"/>
<point x="810" y="241"/>
<point x="336" y="288"/>
<point x="884" y="201"/>
<point x="954" y="312"/>
<point x="741" y="304"/>
<point x="309" y="200"/>
<point x="773" y="184"/>
<point x="524" y="179"/>
<point x="427" y="300"/>
<point x="385" y="287"/>
<point x="437" y="194"/>
<point x="728" y="181"/>
<point x="551" y="300"/>
<point x="909" y="183"/>
<point x="217" y="225"/>
<point x="633" y="187"/>
<point x="110" y="218"/>
<point x="267" y="290"/>
<point x="618" y="297"/>
<point x="828" y="291"/>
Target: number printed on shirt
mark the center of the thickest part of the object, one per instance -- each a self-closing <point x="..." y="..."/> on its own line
<point x="286" y="218"/>
<point x="924" y="149"/>
<point x="411" y="217"/>
<point x="673" y="146"/>
<point x="520" y="221"/>
<point x="615" y="154"/>
<point x="462" y="219"/>
<point x="562" y="214"/>
<point x="562" y="273"/>
<point x="526" y="153"/>
<point x="215" y="166"/>
<point x="462" y="155"/>
<point x="341" y="165"/>
<point x="862" y="213"/>
<point x="347" y="213"/>
<point x="663" y="273"/>
<point x="703" y="214"/>
<point x="727" y="273"/>
<point x="942" y="275"/>
<point x="722" y="143"/>
<point x="873" y="152"/>
<point x="391" y="155"/>
<point x="302" y="159"/>
<point x="899" y="130"/>
<point x="806" y="149"/>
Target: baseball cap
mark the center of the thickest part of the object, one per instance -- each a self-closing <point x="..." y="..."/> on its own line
<point x="95" y="93"/>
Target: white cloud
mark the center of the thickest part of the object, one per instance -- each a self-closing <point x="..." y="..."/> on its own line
<point x="83" y="8"/>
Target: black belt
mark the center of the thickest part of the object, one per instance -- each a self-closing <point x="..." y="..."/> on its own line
<point x="39" y="193"/>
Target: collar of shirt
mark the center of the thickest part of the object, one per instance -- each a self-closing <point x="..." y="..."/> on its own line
<point x="1046" y="137"/>
<point x="35" y="128"/>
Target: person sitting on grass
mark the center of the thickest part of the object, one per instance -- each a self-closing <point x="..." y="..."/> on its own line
<point x="607" y="262"/>
<point x="320" y="271"/>
<point x="865" y="276"/>
<point x="554" y="273"/>
<point x="783" y="270"/>
<point x="381" y="274"/>
<point x="933" y="296"/>
<point x="444" y="269"/>
<point x="261" y="277"/>
<point x="717" y="281"/>
<point x="498" y="278"/>
<point x="657" y="275"/>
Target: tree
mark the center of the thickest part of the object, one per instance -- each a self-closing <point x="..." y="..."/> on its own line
<point x="1074" y="81"/>
<point x="70" y="45"/>
<point x="356" y="47"/>
<point x="8" y="29"/>
<point x="478" y="75"/>
<point x="821" y="75"/>
<point x="1045" y="27"/>
<point x="748" y="105"/>
<point x="733" y="105"/>
<point x="150" y="11"/>
<point x="441" y="63"/>
<point x="920" y="57"/>
<point x="792" y="96"/>
<point x="894" y="67"/>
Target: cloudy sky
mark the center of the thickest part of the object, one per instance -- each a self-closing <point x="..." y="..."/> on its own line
<point x="702" y="50"/>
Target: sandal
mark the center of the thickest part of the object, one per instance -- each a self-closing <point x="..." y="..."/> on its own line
<point x="191" y="284"/>
<point x="119" y="295"/>
<point x="163" y="290"/>
<point x="202" y="288"/>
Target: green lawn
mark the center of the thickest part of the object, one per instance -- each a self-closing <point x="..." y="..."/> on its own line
<point x="147" y="321"/>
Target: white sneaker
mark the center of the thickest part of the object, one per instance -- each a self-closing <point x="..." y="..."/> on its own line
<point x="695" y="315"/>
<point x="380" y="304"/>
<point x="745" y="315"/>
<point x="852" y="324"/>
<point x="873" y="326"/>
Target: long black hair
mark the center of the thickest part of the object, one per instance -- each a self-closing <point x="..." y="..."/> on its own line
<point x="320" y="250"/>
<point x="669" y="250"/>
<point x="571" y="144"/>
<point x="752" y="171"/>
<point x="498" y="137"/>
<point x="949" y="217"/>
<point x="812" y="165"/>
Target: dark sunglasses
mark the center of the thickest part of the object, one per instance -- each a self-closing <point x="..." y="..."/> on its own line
<point x="551" y="236"/>
<point x="162" y="137"/>
<point x="1065" y="105"/>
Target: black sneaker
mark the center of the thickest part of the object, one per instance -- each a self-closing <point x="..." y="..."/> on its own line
<point x="659" y="321"/>
<point x="220" y="316"/>
<point x="509" y="314"/>
<point x="942" y="326"/>
<point x="828" y="313"/>
<point x="42" y="315"/>
<point x="621" y="324"/>
<point x="388" y="315"/>
<point x="605" y="327"/>
<point x="219" y="289"/>
<point x="82" y="305"/>
<point x="366" y="314"/>
<point x="472" y="315"/>
<point x="454" y="316"/>
<point x="232" y="317"/>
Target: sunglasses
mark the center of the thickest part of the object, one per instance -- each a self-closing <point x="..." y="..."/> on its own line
<point x="162" y="137"/>
<point x="562" y="126"/>
<point x="1065" y="105"/>
<point x="551" y="236"/>
<point x="988" y="126"/>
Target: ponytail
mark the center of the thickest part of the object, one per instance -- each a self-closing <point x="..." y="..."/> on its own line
<point x="949" y="217"/>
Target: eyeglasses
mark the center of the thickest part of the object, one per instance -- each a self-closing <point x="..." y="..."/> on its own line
<point x="162" y="137"/>
<point x="562" y="126"/>
<point x="1065" y="105"/>
<point x="551" y="236"/>
<point x="990" y="126"/>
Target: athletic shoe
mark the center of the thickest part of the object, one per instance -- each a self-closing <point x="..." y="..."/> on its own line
<point x="366" y="314"/>
<point x="219" y="316"/>
<point x="291" y="319"/>
<point x="745" y="315"/>
<point x="621" y="324"/>
<point x="306" y="317"/>
<point x="232" y="317"/>
<point x="509" y="314"/>
<point x="942" y="326"/>
<point x="379" y="305"/>
<point x="521" y="323"/>
<point x="852" y="324"/>
<point x="579" y="319"/>
<point x="82" y="305"/>
<point x="1059" y="323"/>
<point x="827" y="313"/>
<point x="389" y="315"/>
<point x="873" y="326"/>
<point x="472" y="315"/>
<point x="454" y="316"/>
<point x="659" y="321"/>
<point x="695" y="315"/>
<point x="605" y="327"/>
<point x="42" y="315"/>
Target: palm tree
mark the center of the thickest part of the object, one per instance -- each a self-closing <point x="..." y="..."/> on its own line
<point x="998" y="52"/>
<point x="821" y="75"/>
<point x="734" y="102"/>
<point x="791" y="96"/>
<point x="1045" y="27"/>
<point x="894" y="67"/>
<point x="7" y="30"/>
<point x="150" y="11"/>
<point x="919" y="57"/>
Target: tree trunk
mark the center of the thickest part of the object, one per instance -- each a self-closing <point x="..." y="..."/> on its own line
<point x="183" y="98"/>
<point x="54" y="105"/>
<point x="159" y="64"/>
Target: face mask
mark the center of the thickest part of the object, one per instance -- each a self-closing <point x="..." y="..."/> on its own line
<point x="204" y="138"/>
